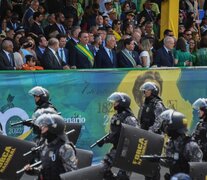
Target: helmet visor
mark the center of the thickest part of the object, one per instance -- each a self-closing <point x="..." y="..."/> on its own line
<point x="38" y="91"/>
<point x="148" y="86"/>
<point x="114" y="97"/>
<point x="199" y="103"/>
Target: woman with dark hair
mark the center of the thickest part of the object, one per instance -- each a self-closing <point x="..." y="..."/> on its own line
<point x="182" y="56"/>
<point x="201" y="55"/>
<point x="116" y="26"/>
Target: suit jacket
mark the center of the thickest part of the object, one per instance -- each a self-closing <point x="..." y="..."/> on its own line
<point x="65" y="51"/>
<point x="102" y="59"/>
<point x="4" y="62"/>
<point x="26" y="18"/>
<point x="80" y="60"/>
<point x="148" y="17"/>
<point x="48" y="30"/>
<point x="39" y="54"/>
<point x="56" y="28"/>
<point x="124" y="62"/>
<point x="36" y="29"/>
<point x="49" y="60"/>
<point x="70" y="46"/>
<point x="162" y="58"/>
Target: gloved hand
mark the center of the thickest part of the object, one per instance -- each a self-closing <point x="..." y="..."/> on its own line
<point x="100" y="143"/>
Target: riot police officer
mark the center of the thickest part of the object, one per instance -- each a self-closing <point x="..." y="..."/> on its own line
<point x="151" y="108"/>
<point x="200" y="132"/>
<point x="57" y="154"/>
<point x="41" y="97"/>
<point x="180" y="148"/>
<point x="121" y="103"/>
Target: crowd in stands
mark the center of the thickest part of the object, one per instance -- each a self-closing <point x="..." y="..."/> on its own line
<point x="78" y="34"/>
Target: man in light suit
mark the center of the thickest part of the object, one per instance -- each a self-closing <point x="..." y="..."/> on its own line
<point x="7" y="56"/>
<point x="51" y="58"/>
<point x="164" y="56"/>
<point x="106" y="56"/>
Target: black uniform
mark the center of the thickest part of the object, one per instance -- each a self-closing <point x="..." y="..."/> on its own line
<point x="180" y="148"/>
<point x="57" y="154"/>
<point x="200" y="136"/>
<point x="124" y="115"/>
<point x="150" y="110"/>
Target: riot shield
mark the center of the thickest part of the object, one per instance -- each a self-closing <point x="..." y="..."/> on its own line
<point x="84" y="158"/>
<point x="134" y="143"/>
<point x="88" y="173"/>
<point x="73" y="137"/>
<point x="198" y="170"/>
<point x="11" y="156"/>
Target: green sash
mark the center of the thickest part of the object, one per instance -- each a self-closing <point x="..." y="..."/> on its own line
<point x="130" y="58"/>
<point x="85" y="52"/>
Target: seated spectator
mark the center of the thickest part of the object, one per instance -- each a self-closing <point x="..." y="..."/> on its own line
<point x="182" y="56"/>
<point x="7" y="56"/>
<point x="116" y="26"/>
<point x="31" y="64"/>
<point x="127" y="57"/>
<point x="164" y="56"/>
<point x="201" y="55"/>
<point x="146" y="55"/>
<point x="51" y="59"/>
<point x="106" y="56"/>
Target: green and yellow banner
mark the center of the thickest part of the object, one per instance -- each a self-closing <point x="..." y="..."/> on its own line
<point x="81" y="96"/>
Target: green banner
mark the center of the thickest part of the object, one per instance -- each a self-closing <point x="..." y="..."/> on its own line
<point x="81" y="96"/>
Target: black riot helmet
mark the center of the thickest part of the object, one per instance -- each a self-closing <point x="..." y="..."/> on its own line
<point x="121" y="100"/>
<point x="55" y="123"/>
<point x="150" y="86"/>
<point x="174" y="123"/>
<point x="201" y="104"/>
<point x="40" y="92"/>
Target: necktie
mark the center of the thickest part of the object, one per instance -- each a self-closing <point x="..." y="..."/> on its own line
<point x="62" y="29"/>
<point x="61" y="53"/>
<point x="11" y="59"/>
<point x="171" y="57"/>
<point x="57" y="57"/>
<point x="111" y="55"/>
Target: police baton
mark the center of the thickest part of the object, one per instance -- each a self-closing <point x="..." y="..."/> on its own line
<point x="25" y="122"/>
<point x="102" y="139"/>
<point x="38" y="147"/>
<point x="31" y="166"/>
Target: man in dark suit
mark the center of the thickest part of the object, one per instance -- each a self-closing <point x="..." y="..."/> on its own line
<point x="128" y="58"/>
<point x="147" y="13"/>
<point x="48" y="29"/>
<point x="82" y="55"/>
<point x="58" y="26"/>
<point x="51" y="58"/>
<point x="62" y="51"/>
<point x="27" y="18"/>
<point x="41" y="46"/>
<point x="106" y="56"/>
<point x="164" y="56"/>
<point x="7" y="56"/>
<point x="73" y="41"/>
<point x="36" y="27"/>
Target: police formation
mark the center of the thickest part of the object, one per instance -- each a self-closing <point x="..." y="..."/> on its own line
<point x="133" y="141"/>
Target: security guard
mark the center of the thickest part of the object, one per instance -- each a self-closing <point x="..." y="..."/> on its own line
<point x="180" y="148"/>
<point x="57" y="154"/>
<point x="200" y="132"/>
<point x="151" y="108"/>
<point x="121" y="102"/>
<point x="41" y="97"/>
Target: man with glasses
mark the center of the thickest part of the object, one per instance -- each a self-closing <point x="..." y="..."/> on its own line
<point x="187" y="36"/>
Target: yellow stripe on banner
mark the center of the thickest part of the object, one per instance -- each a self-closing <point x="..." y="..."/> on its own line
<point x="25" y="135"/>
<point x="169" y="16"/>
